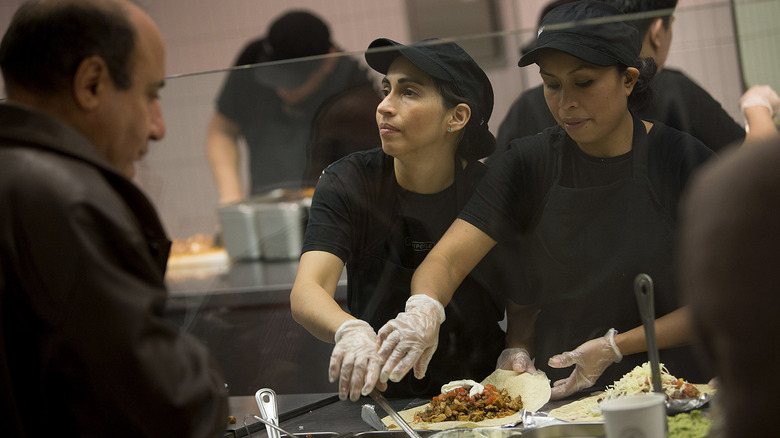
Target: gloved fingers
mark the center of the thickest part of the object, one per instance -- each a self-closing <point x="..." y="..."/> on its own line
<point x="345" y="376"/>
<point x="422" y="363"/>
<point x="357" y="379"/>
<point x="563" y="360"/>
<point x="523" y="365"/>
<point x="400" y="362"/>
<point x="372" y="376"/>
<point x="389" y="338"/>
<point x="334" y="367"/>
<point x="562" y="388"/>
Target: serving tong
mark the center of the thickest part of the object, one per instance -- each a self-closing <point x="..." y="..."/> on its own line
<point x="643" y="289"/>
<point x="266" y="402"/>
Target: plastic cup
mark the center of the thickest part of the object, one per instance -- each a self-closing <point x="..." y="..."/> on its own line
<point x="635" y="416"/>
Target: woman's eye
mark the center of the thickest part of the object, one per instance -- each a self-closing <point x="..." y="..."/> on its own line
<point x="551" y="86"/>
<point x="409" y="92"/>
<point x="583" y="84"/>
<point x="385" y="92"/>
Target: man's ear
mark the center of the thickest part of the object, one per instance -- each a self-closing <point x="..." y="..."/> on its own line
<point x="460" y="116"/>
<point x="90" y="82"/>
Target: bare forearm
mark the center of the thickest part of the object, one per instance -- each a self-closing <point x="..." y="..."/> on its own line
<point x="761" y="126"/>
<point x="450" y="261"/>
<point x="312" y="299"/>
<point x="672" y="330"/>
<point x="222" y="150"/>
<point x="521" y="321"/>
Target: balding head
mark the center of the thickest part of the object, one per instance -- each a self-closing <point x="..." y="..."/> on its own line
<point x="59" y="35"/>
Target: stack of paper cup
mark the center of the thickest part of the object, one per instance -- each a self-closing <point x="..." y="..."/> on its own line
<point x="635" y="416"/>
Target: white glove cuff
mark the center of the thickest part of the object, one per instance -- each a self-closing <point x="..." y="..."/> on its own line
<point x="611" y="339"/>
<point x="349" y="324"/>
<point x="427" y="301"/>
<point x="757" y="101"/>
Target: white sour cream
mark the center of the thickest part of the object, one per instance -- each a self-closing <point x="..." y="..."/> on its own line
<point x="476" y="388"/>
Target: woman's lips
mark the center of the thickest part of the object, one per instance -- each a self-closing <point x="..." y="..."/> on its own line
<point x="387" y="129"/>
<point x="574" y="123"/>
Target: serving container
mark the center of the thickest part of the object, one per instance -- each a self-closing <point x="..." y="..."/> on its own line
<point x="269" y="227"/>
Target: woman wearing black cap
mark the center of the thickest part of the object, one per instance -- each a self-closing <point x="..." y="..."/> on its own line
<point x="594" y="203"/>
<point x="379" y="212"/>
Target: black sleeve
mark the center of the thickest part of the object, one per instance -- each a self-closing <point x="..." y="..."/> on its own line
<point x="510" y="194"/>
<point x="673" y="158"/>
<point x="682" y="104"/>
<point x="333" y="211"/>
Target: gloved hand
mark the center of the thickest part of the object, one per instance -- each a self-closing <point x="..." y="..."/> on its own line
<point x="590" y="358"/>
<point x="355" y="360"/>
<point x="761" y="95"/>
<point x="411" y="338"/>
<point x="517" y="360"/>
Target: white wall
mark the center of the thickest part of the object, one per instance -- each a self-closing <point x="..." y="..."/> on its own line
<point x="205" y="35"/>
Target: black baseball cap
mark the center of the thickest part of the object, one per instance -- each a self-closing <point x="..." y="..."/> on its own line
<point x="448" y="62"/>
<point x="575" y="28"/>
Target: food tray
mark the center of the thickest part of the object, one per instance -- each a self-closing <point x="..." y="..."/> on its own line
<point x="568" y="430"/>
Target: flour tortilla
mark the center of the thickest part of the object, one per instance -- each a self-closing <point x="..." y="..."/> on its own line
<point x="534" y="391"/>
<point x="587" y="409"/>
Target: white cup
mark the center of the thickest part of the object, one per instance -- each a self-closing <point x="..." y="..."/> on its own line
<point x="635" y="416"/>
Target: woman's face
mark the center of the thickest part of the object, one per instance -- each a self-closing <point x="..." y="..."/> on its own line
<point x="411" y="117"/>
<point x="589" y="101"/>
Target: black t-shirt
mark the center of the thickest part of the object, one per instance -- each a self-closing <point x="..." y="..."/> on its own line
<point x="276" y="133"/>
<point x="510" y="197"/>
<point x="679" y="103"/>
<point x="358" y="209"/>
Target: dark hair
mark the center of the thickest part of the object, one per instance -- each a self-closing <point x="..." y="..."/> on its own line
<point x="643" y="95"/>
<point x="637" y="6"/>
<point x="46" y="42"/>
<point x="450" y="98"/>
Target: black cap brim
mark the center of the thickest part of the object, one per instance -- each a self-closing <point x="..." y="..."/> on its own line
<point x="577" y="50"/>
<point x="380" y="60"/>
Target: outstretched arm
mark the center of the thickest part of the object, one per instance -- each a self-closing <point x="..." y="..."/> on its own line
<point x="411" y="338"/>
<point x="222" y="150"/>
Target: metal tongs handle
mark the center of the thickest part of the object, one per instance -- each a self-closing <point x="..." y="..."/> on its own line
<point x="382" y="401"/>
<point x="643" y="288"/>
<point x="266" y="402"/>
<point x="267" y="425"/>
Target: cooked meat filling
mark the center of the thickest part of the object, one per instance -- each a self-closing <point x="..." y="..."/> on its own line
<point x="457" y="405"/>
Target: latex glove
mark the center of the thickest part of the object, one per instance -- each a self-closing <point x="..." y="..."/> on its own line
<point x="761" y="95"/>
<point x="517" y="360"/>
<point x="355" y="360"/>
<point x="590" y="360"/>
<point x="411" y="338"/>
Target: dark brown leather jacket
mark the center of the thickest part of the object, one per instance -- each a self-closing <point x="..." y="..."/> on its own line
<point x="84" y="348"/>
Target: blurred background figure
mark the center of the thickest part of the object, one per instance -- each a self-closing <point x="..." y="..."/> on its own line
<point x="679" y="102"/>
<point x="272" y="106"/>
<point x="728" y="270"/>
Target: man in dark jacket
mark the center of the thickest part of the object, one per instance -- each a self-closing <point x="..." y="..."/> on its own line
<point x="84" y="348"/>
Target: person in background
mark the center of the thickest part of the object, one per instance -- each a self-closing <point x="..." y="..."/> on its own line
<point x="379" y="212"/>
<point x="593" y="203"/>
<point x="84" y="347"/>
<point x="679" y="102"/>
<point x="728" y="274"/>
<point x="272" y="106"/>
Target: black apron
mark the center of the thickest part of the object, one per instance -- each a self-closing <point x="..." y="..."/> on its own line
<point x="584" y="253"/>
<point x="469" y="339"/>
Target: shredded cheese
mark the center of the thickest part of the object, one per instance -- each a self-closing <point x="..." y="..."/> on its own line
<point x="639" y="381"/>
